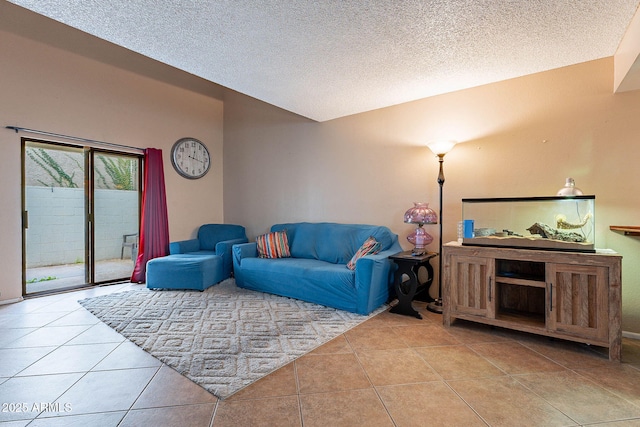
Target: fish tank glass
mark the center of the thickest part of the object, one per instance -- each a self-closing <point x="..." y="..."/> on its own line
<point x="564" y="223"/>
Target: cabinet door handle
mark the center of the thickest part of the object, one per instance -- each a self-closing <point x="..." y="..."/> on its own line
<point x="490" y="280"/>
<point x="550" y="296"/>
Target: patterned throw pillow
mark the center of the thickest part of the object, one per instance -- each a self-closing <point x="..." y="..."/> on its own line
<point x="273" y="245"/>
<point x="369" y="247"/>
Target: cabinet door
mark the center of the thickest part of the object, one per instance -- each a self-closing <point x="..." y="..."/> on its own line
<point x="472" y="286"/>
<point x="578" y="303"/>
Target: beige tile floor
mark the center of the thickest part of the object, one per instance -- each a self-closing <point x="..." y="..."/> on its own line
<point x="60" y="366"/>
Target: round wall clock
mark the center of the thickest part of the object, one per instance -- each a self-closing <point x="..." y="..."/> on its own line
<point x="190" y="158"/>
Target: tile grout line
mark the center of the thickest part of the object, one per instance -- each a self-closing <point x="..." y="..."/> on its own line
<point x="373" y="386"/>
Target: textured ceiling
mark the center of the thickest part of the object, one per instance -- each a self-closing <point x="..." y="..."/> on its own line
<point x="325" y="59"/>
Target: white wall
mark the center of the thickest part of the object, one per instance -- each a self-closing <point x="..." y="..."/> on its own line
<point x="56" y="224"/>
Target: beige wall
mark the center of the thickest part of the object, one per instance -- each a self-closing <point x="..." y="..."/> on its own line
<point x="47" y="88"/>
<point x="520" y="137"/>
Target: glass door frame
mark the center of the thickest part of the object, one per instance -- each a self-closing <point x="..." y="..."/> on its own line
<point x="91" y="210"/>
<point x="89" y="153"/>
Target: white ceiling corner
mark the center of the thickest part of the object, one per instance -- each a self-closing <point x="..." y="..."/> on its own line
<point x="331" y="58"/>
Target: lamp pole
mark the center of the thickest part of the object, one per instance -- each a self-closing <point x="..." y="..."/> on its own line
<point x="439" y="148"/>
<point x="436" y="305"/>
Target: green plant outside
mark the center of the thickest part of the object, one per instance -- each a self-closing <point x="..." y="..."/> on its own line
<point x="121" y="172"/>
<point x="41" y="279"/>
<point x="52" y="167"/>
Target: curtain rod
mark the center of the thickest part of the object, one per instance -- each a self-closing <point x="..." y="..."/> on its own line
<point x="74" y="138"/>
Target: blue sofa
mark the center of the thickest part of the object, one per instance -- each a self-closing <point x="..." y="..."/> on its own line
<point x="197" y="263"/>
<point x="317" y="269"/>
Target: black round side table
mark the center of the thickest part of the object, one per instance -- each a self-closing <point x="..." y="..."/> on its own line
<point x="409" y="265"/>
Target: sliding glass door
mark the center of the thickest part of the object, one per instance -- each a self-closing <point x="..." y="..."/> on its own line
<point x="116" y="207"/>
<point x="80" y="216"/>
<point x="54" y="217"/>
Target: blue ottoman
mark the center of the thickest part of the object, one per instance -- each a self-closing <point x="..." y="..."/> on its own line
<point x="184" y="271"/>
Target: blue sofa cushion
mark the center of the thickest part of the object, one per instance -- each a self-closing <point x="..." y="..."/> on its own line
<point x="210" y="234"/>
<point x="184" y="271"/>
<point x="293" y="277"/>
<point x="319" y="240"/>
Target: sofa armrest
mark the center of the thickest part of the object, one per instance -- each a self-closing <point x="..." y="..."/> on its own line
<point x="244" y="250"/>
<point x="223" y="249"/>
<point x="240" y="251"/>
<point x="184" y="246"/>
<point x="374" y="277"/>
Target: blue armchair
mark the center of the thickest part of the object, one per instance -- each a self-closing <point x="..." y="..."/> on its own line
<point x="197" y="263"/>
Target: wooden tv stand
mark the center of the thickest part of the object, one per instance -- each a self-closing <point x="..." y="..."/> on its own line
<point x="567" y="295"/>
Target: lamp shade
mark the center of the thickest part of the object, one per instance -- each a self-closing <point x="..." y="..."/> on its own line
<point x="440" y="148"/>
<point x="570" y="189"/>
<point x="420" y="213"/>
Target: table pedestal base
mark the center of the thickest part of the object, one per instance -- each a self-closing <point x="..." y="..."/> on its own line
<point x="409" y="266"/>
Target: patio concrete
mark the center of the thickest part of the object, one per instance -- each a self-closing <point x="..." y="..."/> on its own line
<point x="68" y="275"/>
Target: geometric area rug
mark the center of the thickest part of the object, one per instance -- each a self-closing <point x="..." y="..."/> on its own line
<point x="226" y="337"/>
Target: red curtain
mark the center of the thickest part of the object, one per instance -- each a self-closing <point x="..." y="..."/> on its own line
<point x="154" y="226"/>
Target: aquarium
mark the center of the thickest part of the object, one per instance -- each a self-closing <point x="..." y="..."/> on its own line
<point x="555" y="223"/>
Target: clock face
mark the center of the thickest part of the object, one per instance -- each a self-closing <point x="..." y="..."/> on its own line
<point x="190" y="158"/>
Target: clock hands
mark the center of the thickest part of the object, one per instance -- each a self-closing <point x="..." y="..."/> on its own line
<point x="196" y="159"/>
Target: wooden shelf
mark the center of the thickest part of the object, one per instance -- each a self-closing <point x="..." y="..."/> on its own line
<point x="521" y="282"/>
<point x="521" y="317"/>
<point x="628" y="230"/>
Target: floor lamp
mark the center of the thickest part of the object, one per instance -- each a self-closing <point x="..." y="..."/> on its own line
<point x="439" y="148"/>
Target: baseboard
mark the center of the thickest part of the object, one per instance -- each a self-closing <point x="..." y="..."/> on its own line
<point x="11" y="301"/>
<point x="632" y="335"/>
